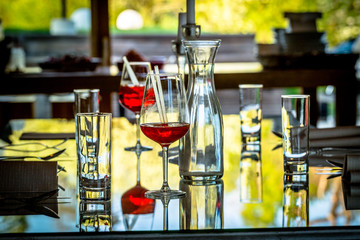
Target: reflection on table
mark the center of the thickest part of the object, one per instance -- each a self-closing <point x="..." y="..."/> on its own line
<point x="210" y="206"/>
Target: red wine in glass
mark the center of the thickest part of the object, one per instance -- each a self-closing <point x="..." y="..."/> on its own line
<point x="131" y="96"/>
<point x="165" y="133"/>
<point x="164" y="119"/>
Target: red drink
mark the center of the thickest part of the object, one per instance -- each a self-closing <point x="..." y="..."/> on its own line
<point x="135" y="202"/>
<point x="131" y="97"/>
<point x="165" y="133"/>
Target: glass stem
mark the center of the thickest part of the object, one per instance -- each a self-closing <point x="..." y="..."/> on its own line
<point x="165" y="187"/>
<point x="138" y="169"/>
<point x="166" y="218"/>
<point x="165" y="201"/>
<point x="137" y="117"/>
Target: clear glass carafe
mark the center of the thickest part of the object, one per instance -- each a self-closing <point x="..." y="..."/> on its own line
<point x="201" y="150"/>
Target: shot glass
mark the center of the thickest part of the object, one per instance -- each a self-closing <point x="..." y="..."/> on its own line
<point x="86" y="100"/>
<point x="94" y="155"/>
<point x="250" y="174"/>
<point x="250" y="112"/>
<point x="295" y="114"/>
<point x="296" y="201"/>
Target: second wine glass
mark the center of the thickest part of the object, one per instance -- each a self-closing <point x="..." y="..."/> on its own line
<point x="131" y="95"/>
<point x="164" y="119"/>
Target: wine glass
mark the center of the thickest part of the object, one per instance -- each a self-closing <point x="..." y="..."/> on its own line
<point x="164" y="119"/>
<point x="131" y="96"/>
<point x="138" y="211"/>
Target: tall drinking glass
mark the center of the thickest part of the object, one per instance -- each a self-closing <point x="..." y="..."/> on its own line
<point x="164" y="119"/>
<point x="250" y="112"/>
<point x="131" y="96"/>
<point x="93" y="131"/>
<point x="86" y="100"/>
<point x="295" y="110"/>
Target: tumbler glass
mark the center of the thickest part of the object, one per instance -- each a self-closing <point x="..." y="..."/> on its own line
<point x="295" y="113"/>
<point x="86" y="100"/>
<point x="250" y="112"/>
<point x="94" y="155"/>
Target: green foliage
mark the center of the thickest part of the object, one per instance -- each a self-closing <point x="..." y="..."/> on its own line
<point x="341" y="18"/>
<point x="34" y="15"/>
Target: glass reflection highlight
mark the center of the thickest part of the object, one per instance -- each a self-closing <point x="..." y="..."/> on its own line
<point x="95" y="216"/>
<point x="138" y="211"/>
<point x="251" y="174"/>
<point x="202" y="208"/>
<point x="296" y="201"/>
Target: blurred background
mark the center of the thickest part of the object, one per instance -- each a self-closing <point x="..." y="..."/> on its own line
<point x="53" y="29"/>
<point x="340" y="20"/>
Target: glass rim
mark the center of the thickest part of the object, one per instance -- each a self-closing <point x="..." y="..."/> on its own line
<point x="215" y="42"/>
<point x="295" y="96"/>
<point x="84" y="90"/>
<point x="251" y="85"/>
<point x="94" y="114"/>
<point x="165" y="74"/>
<point x="140" y="63"/>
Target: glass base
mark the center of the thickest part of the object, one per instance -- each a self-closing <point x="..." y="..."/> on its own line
<point x="201" y="176"/>
<point x="296" y="168"/>
<point x="170" y="194"/>
<point x="94" y="194"/>
<point x="138" y="149"/>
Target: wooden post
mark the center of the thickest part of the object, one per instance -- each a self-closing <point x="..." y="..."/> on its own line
<point x="100" y="34"/>
<point x="63" y="9"/>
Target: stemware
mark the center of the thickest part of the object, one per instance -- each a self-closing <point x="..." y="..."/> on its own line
<point x="131" y="96"/>
<point x="164" y="119"/>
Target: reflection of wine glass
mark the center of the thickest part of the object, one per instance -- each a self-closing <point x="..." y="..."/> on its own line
<point x="164" y="119"/>
<point x="136" y="208"/>
<point x="131" y="96"/>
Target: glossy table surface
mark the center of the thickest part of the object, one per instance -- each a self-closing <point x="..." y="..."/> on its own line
<point x="326" y="196"/>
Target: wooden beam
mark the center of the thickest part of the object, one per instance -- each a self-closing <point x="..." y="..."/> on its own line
<point x="100" y="34"/>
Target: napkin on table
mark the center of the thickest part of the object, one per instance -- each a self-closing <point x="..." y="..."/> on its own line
<point x="351" y="182"/>
<point x="28" y="188"/>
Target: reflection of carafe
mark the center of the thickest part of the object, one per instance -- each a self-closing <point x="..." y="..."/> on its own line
<point x="138" y="211"/>
<point x="201" y="150"/>
<point x="95" y="216"/>
<point x="296" y="201"/>
<point x="202" y="208"/>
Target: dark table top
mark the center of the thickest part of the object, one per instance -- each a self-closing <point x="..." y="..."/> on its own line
<point x="218" y="203"/>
